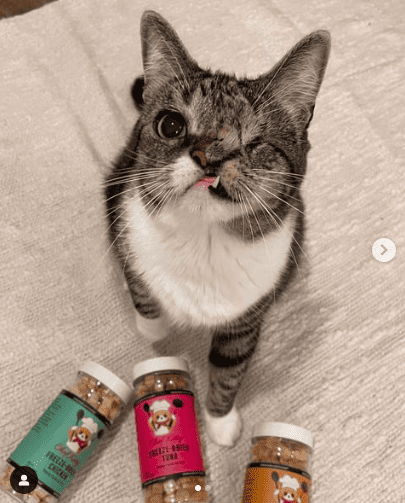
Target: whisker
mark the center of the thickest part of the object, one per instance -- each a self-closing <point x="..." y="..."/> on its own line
<point x="298" y="175"/>
<point x="262" y="203"/>
<point x="273" y="215"/>
<point x="125" y="264"/>
<point x="247" y="214"/>
<point x="154" y="198"/>
<point x="281" y="183"/>
<point x="291" y="234"/>
<point x="282" y="200"/>
<point x="144" y="156"/>
<point x="258" y="224"/>
<point x="120" y="193"/>
<point x="166" y="197"/>
<point x="127" y="179"/>
<point x="147" y="173"/>
<point x="104" y="256"/>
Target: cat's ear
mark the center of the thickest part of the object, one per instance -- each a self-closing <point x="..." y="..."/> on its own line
<point x="296" y="79"/>
<point x="163" y="54"/>
<point x="137" y="92"/>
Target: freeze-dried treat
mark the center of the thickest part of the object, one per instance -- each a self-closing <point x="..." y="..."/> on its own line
<point x="183" y="489"/>
<point x="66" y="435"/>
<point x="5" y="473"/>
<point x="271" y="450"/>
<point x="99" y="396"/>
<point x="280" y="467"/>
<point x="154" y="498"/>
<point x="141" y="391"/>
<point x="164" y="409"/>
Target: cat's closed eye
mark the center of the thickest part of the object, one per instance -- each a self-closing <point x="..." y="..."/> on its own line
<point x="253" y="144"/>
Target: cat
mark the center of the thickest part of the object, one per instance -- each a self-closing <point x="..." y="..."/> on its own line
<point x="204" y="205"/>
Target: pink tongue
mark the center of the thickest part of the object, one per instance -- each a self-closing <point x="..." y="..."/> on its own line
<point x="205" y="182"/>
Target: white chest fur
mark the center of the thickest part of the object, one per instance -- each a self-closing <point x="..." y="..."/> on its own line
<point x="200" y="274"/>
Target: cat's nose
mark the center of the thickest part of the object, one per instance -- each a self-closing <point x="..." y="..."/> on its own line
<point x="209" y="165"/>
<point x="199" y="157"/>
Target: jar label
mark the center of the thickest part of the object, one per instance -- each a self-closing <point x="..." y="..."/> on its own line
<point x="168" y="436"/>
<point x="60" y="443"/>
<point x="273" y="485"/>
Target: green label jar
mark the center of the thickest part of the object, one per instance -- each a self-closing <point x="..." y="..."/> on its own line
<point x="46" y="461"/>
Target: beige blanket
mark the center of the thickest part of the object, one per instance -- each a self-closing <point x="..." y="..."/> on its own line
<point x="332" y="358"/>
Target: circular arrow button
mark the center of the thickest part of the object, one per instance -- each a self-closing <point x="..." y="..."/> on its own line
<point x="384" y="250"/>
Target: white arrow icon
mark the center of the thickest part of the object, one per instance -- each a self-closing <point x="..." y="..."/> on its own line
<point x="384" y="250"/>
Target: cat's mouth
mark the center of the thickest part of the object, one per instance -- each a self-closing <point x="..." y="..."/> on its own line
<point x="219" y="191"/>
<point x="206" y="182"/>
<point x="214" y="185"/>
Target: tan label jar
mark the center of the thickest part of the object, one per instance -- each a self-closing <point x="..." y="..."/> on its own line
<point x="169" y="446"/>
<point x="46" y="461"/>
<point x="281" y="465"/>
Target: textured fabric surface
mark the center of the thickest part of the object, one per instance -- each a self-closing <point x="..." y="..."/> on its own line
<point x="332" y="356"/>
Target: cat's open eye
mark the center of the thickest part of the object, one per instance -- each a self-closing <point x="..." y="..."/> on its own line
<point x="171" y="125"/>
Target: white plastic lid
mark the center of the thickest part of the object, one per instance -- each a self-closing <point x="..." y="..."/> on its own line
<point x="109" y="379"/>
<point x="158" y="364"/>
<point x="283" y="430"/>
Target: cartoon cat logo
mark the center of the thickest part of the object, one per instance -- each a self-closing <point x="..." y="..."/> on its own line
<point x="79" y="438"/>
<point x="288" y="489"/>
<point x="161" y="420"/>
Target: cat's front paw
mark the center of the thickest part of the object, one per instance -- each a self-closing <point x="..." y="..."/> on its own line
<point x="152" y="329"/>
<point x="224" y="430"/>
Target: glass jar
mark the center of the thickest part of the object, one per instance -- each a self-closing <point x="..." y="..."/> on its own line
<point x="169" y="445"/>
<point x="49" y="457"/>
<point x="281" y="465"/>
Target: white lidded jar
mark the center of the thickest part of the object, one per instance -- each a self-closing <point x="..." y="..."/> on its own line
<point x="46" y="461"/>
<point x="169" y="445"/>
<point x="280" y="468"/>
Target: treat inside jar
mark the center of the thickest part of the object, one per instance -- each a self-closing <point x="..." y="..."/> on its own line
<point x="41" y="496"/>
<point x="273" y="450"/>
<point x="280" y="467"/>
<point x="184" y="489"/>
<point x="152" y="383"/>
<point x="6" y="472"/>
<point x="164" y="409"/>
<point x="98" y="396"/>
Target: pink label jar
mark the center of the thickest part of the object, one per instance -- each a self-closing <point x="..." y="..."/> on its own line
<point x="169" y="446"/>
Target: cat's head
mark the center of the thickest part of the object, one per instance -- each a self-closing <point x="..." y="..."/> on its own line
<point x="197" y="124"/>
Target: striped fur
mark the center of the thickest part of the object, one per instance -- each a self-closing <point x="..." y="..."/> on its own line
<point x="218" y="257"/>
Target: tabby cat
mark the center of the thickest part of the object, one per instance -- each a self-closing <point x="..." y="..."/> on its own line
<point x="204" y="202"/>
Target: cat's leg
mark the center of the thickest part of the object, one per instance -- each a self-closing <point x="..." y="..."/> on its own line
<point x="150" y="319"/>
<point x="231" y="350"/>
<point x="153" y="329"/>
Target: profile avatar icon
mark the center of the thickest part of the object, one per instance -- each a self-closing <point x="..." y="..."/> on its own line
<point x="24" y="481"/>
